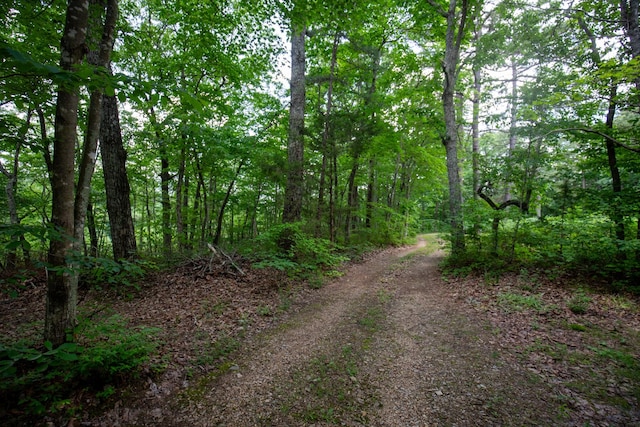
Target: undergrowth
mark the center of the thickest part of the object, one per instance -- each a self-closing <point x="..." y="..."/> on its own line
<point x="38" y="380"/>
<point x="287" y="248"/>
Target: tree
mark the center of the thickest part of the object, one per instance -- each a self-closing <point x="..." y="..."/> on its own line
<point x="61" y="303"/>
<point x="295" y="147"/>
<point x="456" y="17"/>
<point x="116" y="182"/>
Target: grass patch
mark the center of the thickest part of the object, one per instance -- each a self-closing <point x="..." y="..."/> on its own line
<point x="371" y="320"/>
<point x="213" y="352"/>
<point x="579" y="303"/>
<point x="510" y="302"/>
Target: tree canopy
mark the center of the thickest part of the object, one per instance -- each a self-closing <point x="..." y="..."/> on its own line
<point x="511" y="126"/>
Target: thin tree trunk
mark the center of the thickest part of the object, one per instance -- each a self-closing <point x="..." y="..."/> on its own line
<point x="616" y="182"/>
<point x="216" y="238"/>
<point x="93" y="234"/>
<point x="179" y="202"/>
<point x="352" y="200"/>
<point x="333" y="191"/>
<point x="512" y="126"/>
<point x="326" y="133"/>
<point x="475" y="122"/>
<point x="61" y="302"/>
<point x="196" y="214"/>
<point x="165" y="179"/>
<point x="292" y="210"/>
<point x="371" y="193"/>
<point x="11" y="189"/>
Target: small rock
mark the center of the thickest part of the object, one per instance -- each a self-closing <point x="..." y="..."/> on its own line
<point x="439" y="393"/>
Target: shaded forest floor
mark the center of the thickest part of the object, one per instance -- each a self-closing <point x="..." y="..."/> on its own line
<point x="390" y="343"/>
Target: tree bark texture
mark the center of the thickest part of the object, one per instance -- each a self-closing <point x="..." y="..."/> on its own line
<point x="295" y="153"/>
<point x="99" y="57"/>
<point x="453" y="40"/>
<point x="60" y="316"/>
<point x="116" y="182"/>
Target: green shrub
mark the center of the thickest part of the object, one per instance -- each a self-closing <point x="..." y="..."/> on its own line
<point x="287" y="247"/>
<point x="39" y="380"/>
<point x="120" y="275"/>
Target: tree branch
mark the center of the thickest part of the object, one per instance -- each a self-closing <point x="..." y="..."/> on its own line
<point x="521" y="205"/>
<point x="602" y="134"/>
<point x="438" y="8"/>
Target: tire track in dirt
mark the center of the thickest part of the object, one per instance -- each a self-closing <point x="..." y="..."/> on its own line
<point x="247" y="394"/>
<point x="444" y="369"/>
<point x="428" y="363"/>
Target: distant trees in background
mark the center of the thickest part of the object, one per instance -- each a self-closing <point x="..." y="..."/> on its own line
<point x="511" y="126"/>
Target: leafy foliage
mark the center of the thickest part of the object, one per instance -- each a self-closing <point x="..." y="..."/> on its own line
<point x="105" y="273"/>
<point x="39" y="380"/>
<point x="287" y="247"/>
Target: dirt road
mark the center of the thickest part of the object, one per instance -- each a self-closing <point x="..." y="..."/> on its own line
<point x="387" y="344"/>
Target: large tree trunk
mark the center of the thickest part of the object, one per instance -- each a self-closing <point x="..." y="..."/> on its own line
<point x="295" y="154"/>
<point x="60" y="316"/>
<point x="631" y="24"/>
<point x="116" y="182"/>
<point x="455" y="31"/>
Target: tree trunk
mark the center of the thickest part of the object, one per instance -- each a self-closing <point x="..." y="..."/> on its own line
<point x="453" y="40"/>
<point x="631" y="24"/>
<point x="179" y="200"/>
<point x="60" y="316"/>
<point x="616" y="216"/>
<point x="100" y="58"/>
<point x="295" y="154"/>
<point x="333" y="191"/>
<point x="512" y="125"/>
<point x="371" y="193"/>
<point x="326" y="133"/>
<point x="93" y="234"/>
<point x="352" y="200"/>
<point x="216" y="238"/>
<point x="10" y="190"/>
<point x="616" y="182"/>
<point x="116" y="182"/>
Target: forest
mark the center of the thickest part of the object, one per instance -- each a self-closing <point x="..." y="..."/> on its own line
<point x="136" y="135"/>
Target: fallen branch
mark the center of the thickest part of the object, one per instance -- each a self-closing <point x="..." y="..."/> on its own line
<point x="218" y="250"/>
